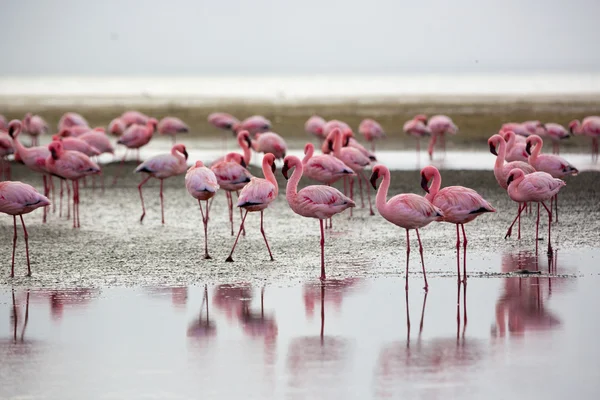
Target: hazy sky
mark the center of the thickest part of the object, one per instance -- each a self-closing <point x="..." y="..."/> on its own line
<point x="190" y="37"/>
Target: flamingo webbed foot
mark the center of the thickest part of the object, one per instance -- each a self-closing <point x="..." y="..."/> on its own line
<point x="229" y="259"/>
<point x="207" y="257"/>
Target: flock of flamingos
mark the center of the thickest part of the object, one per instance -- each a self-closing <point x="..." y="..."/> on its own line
<point x="528" y="175"/>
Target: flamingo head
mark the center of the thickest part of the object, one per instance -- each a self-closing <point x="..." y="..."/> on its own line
<point x="56" y="138"/>
<point x="532" y="140"/>
<point x="181" y="149"/>
<point x="65" y="132"/>
<point x="152" y="122"/>
<point x="514" y="174"/>
<point x="421" y="117"/>
<point x="288" y="163"/>
<point x="574" y="127"/>
<point x="378" y="171"/>
<point x="308" y="147"/>
<point x="244" y="136"/>
<point x="236" y="158"/>
<point x="426" y="174"/>
<point x="14" y="128"/>
<point x="269" y="158"/>
<point x="56" y="148"/>
<point x="493" y="143"/>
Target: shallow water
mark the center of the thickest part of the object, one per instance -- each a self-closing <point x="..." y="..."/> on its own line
<point x="519" y="336"/>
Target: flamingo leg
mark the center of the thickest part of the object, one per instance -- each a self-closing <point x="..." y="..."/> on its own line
<point x="26" y="236"/>
<point x="12" y="268"/>
<point x="78" y="201"/>
<point x="509" y="232"/>
<point x="351" y="186"/>
<point x="205" y="222"/>
<point x="431" y="146"/>
<point x="360" y="190"/>
<point x="262" y="230"/>
<point x="230" y="259"/>
<point x="368" y="191"/>
<point x="322" y="251"/>
<point x="458" y="253"/>
<point x="230" y="206"/>
<point x="464" y="253"/>
<point x="237" y="192"/>
<point x="68" y="200"/>
<point x="549" y="229"/>
<point x="418" y="151"/>
<point x="162" y="202"/>
<point x="61" y="197"/>
<point x="537" y="228"/>
<point x="556" y="206"/>
<point x="142" y="197"/>
<point x="53" y="194"/>
<point x="74" y="204"/>
<point x="407" y="258"/>
<point x="443" y="143"/>
<point x="46" y="189"/>
<point x="519" y="217"/>
<point x="422" y="261"/>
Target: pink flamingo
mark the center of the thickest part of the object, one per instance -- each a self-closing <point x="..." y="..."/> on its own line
<point x="502" y="169"/>
<point x="74" y="131"/>
<point x="256" y="196"/>
<point x="535" y="187"/>
<point x="134" y="118"/>
<point x="116" y="127"/>
<point x="459" y="205"/>
<point x="76" y="144"/>
<point x="161" y="167"/>
<point x="354" y="159"/>
<point x="71" y="119"/>
<point x="98" y="139"/>
<point x="18" y="198"/>
<point x="408" y="211"/>
<point x="33" y="157"/>
<point x="35" y="126"/>
<point x="534" y="127"/>
<point x="172" y="126"/>
<point x="255" y="124"/>
<point x="201" y="184"/>
<point x="517" y="127"/>
<point x="556" y="133"/>
<point x="515" y="147"/>
<point x="224" y="121"/>
<point x="314" y="126"/>
<point x="555" y="165"/>
<point x="316" y="201"/>
<point x="134" y="137"/>
<point x="371" y="130"/>
<point x="350" y="141"/>
<point x="269" y="142"/>
<point x="232" y="176"/>
<point x="417" y="128"/>
<point x="440" y="125"/>
<point x="6" y="148"/>
<point x="590" y="126"/>
<point x="70" y="165"/>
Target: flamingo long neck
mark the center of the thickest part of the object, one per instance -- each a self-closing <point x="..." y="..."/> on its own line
<point x="501" y="157"/>
<point x="511" y="141"/>
<point x="246" y="149"/>
<point x="291" y="189"/>
<point x="308" y="153"/>
<point x="20" y="148"/>
<point x="382" y="192"/>
<point x="180" y="157"/>
<point x="337" y="143"/>
<point x="435" y="185"/>
<point x="537" y="149"/>
<point x="268" y="173"/>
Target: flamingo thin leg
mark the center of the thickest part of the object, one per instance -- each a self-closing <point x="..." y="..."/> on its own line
<point x="230" y="259"/>
<point x="26" y="236"/>
<point x="262" y="230"/>
<point x="549" y="229"/>
<point x="422" y="261"/>
<point x="142" y="196"/>
<point x="407" y="257"/>
<point x="537" y="228"/>
<point x="12" y="268"/>
<point x="205" y="222"/>
<point x="509" y="232"/>
<point x="362" y="175"/>
<point x="458" y="252"/>
<point x="360" y="189"/>
<point x="322" y="251"/>
<point x="464" y="253"/>
<point x="162" y="202"/>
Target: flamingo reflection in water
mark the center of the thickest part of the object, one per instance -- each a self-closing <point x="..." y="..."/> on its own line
<point x="423" y="362"/>
<point x="521" y="305"/>
<point x="336" y="290"/>
<point x="203" y="327"/>
<point x="179" y="295"/>
<point x="61" y="299"/>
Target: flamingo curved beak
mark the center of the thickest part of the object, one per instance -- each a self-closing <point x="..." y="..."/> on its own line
<point x="373" y="180"/>
<point x="249" y="141"/>
<point x="284" y="171"/>
<point x="424" y="183"/>
<point x="185" y="154"/>
<point x="273" y="167"/>
<point x="11" y="131"/>
<point x="493" y="149"/>
<point x="528" y="148"/>
<point x="243" y="163"/>
<point x="330" y="145"/>
<point x="510" y="179"/>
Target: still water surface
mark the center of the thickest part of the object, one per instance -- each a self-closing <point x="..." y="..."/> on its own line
<point x="524" y="336"/>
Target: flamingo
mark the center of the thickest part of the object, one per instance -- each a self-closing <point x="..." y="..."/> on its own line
<point x="371" y="130"/>
<point x="556" y="133"/>
<point x="536" y="187"/>
<point x="354" y="159"/>
<point x="172" y="126"/>
<point x="6" y="148"/>
<point x="224" y="121"/>
<point x="74" y="131"/>
<point x="136" y="136"/>
<point x="76" y="144"/>
<point x="98" y="139"/>
<point x="517" y="127"/>
<point x="18" y="198"/>
<point x="440" y="125"/>
<point x="515" y="147"/>
<point x="232" y="176"/>
<point x="350" y="141"/>
<point x="201" y="184"/>
<point x="269" y="142"/>
<point x="590" y="126"/>
<point x="534" y="128"/>
<point x="71" y="165"/>
<point x="314" y="126"/>
<point x="256" y="196"/>
<point x="555" y="165"/>
<point x="71" y="119"/>
<point x="459" y="205"/>
<point x="316" y="201"/>
<point x="502" y="169"/>
<point x="116" y="127"/>
<point x="254" y="124"/>
<point x="134" y="118"/>
<point x="408" y="211"/>
<point x="161" y="167"/>
<point x="33" y="157"/>
<point x="35" y="126"/>
<point x="417" y="128"/>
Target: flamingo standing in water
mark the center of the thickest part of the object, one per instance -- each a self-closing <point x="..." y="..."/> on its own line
<point x="71" y="119"/>
<point x="33" y="157"/>
<point x="257" y="196"/>
<point x="172" y="126"/>
<point x="201" y="184"/>
<point x="556" y="133"/>
<point x="35" y="126"/>
<point x="417" y="128"/>
<point x="316" y="201"/>
<point x="555" y="165"/>
<point x="71" y="165"/>
<point x="232" y="176"/>
<point x="18" y="198"/>
<point x="590" y="126"/>
<point x="6" y="148"/>
<point x="408" y="211"/>
<point x="459" y="205"/>
<point x="536" y="187"/>
<point x="440" y="125"/>
<point x="314" y="126"/>
<point x="270" y="142"/>
<point x="161" y="167"/>
<point x="502" y="169"/>
<point x="371" y="130"/>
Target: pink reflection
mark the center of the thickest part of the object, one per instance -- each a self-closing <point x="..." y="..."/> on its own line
<point x="336" y="290"/>
<point x="203" y="327"/>
<point x="179" y="295"/>
<point x="230" y="298"/>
